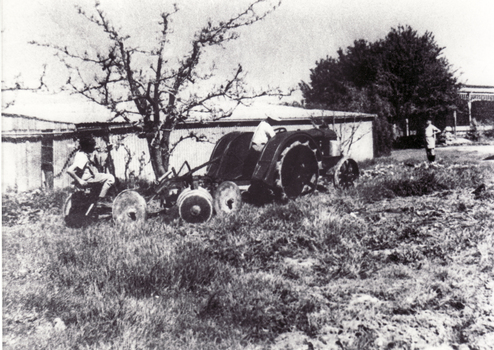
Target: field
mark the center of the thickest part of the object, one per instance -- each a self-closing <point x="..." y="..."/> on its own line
<point x="405" y="260"/>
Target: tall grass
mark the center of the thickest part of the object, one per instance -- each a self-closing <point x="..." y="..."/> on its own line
<point x="335" y="266"/>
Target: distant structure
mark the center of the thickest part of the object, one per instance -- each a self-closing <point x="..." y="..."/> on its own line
<point x="474" y="93"/>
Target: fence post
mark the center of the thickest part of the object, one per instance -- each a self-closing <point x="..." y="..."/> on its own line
<point x="454" y="121"/>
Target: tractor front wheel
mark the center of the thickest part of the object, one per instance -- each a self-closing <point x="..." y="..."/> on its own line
<point x="346" y="173"/>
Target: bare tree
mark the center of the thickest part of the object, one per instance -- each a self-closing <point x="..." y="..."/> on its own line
<point x="19" y="85"/>
<point x="130" y="80"/>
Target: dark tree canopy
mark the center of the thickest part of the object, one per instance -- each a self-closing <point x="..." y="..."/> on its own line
<point x="403" y="76"/>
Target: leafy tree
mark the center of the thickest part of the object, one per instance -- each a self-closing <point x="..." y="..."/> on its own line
<point x="142" y="79"/>
<point x="403" y="76"/>
<point x="418" y="80"/>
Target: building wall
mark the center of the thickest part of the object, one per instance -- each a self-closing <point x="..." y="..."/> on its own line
<point x="21" y="168"/>
<point x="9" y="166"/>
<point x="130" y="155"/>
<point x="22" y="151"/>
<point x="356" y="139"/>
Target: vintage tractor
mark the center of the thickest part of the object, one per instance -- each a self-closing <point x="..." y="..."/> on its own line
<point x="289" y="166"/>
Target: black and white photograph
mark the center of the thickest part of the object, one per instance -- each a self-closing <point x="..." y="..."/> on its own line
<point x="247" y="174"/>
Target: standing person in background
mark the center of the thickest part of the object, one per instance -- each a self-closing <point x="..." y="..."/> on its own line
<point x="430" y="140"/>
<point x="84" y="169"/>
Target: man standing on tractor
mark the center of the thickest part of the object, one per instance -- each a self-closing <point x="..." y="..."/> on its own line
<point x="264" y="131"/>
<point x="262" y="134"/>
<point x="84" y="168"/>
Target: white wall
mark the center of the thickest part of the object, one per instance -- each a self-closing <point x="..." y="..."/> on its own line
<point x="21" y="166"/>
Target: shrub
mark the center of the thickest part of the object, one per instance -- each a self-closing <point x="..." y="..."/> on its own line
<point x="412" y="141"/>
<point x="489" y="134"/>
<point x="474" y="134"/>
<point x="21" y="208"/>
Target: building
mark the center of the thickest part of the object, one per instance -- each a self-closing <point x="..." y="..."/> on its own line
<point x="43" y="149"/>
<point x="33" y="150"/>
<point x="479" y="112"/>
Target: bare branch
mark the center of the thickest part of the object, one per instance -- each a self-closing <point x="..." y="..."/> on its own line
<point x="191" y="135"/>
<point x="163" y="94"/>
<point x="19" y="85"/>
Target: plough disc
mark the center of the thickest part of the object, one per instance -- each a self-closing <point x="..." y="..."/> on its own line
<point x="227" y="198"/>
<point x="129" y="207"/>
<point x="195" y="206"/>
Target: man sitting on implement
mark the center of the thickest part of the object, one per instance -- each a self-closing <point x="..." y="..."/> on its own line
<point x="84" y="170"/>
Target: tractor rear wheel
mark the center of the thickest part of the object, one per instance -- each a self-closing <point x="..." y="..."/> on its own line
<point x="227" y="198"/>
<point x="297" y="170"/>
<point x="129" y="207"/>
<point x="346" y="172"/>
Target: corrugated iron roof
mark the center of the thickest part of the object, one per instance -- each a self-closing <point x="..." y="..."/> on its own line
<point x="243" y="115"/>
<point x="12" y="115"/>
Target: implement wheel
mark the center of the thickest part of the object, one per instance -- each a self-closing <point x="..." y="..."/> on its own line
<point x="227" y="198"/>
<point x="298" y="170"/>
<point x="75" y="208"/>
<point x="129" y="207"/>
<point x="346" y="173"/>
<point x="195" y="206"/>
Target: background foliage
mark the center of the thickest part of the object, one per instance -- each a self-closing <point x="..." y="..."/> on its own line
<point x="403" y="76"/>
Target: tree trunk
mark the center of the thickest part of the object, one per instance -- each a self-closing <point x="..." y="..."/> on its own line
<point x="159" y="145"/>
<point x="164" y="148"/>
<point x="156" y="153"/>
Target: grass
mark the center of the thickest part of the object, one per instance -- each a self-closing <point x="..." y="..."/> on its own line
<point x="404" y="259"/>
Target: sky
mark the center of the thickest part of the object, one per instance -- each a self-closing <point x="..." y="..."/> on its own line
<point x="276" y="52"/>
